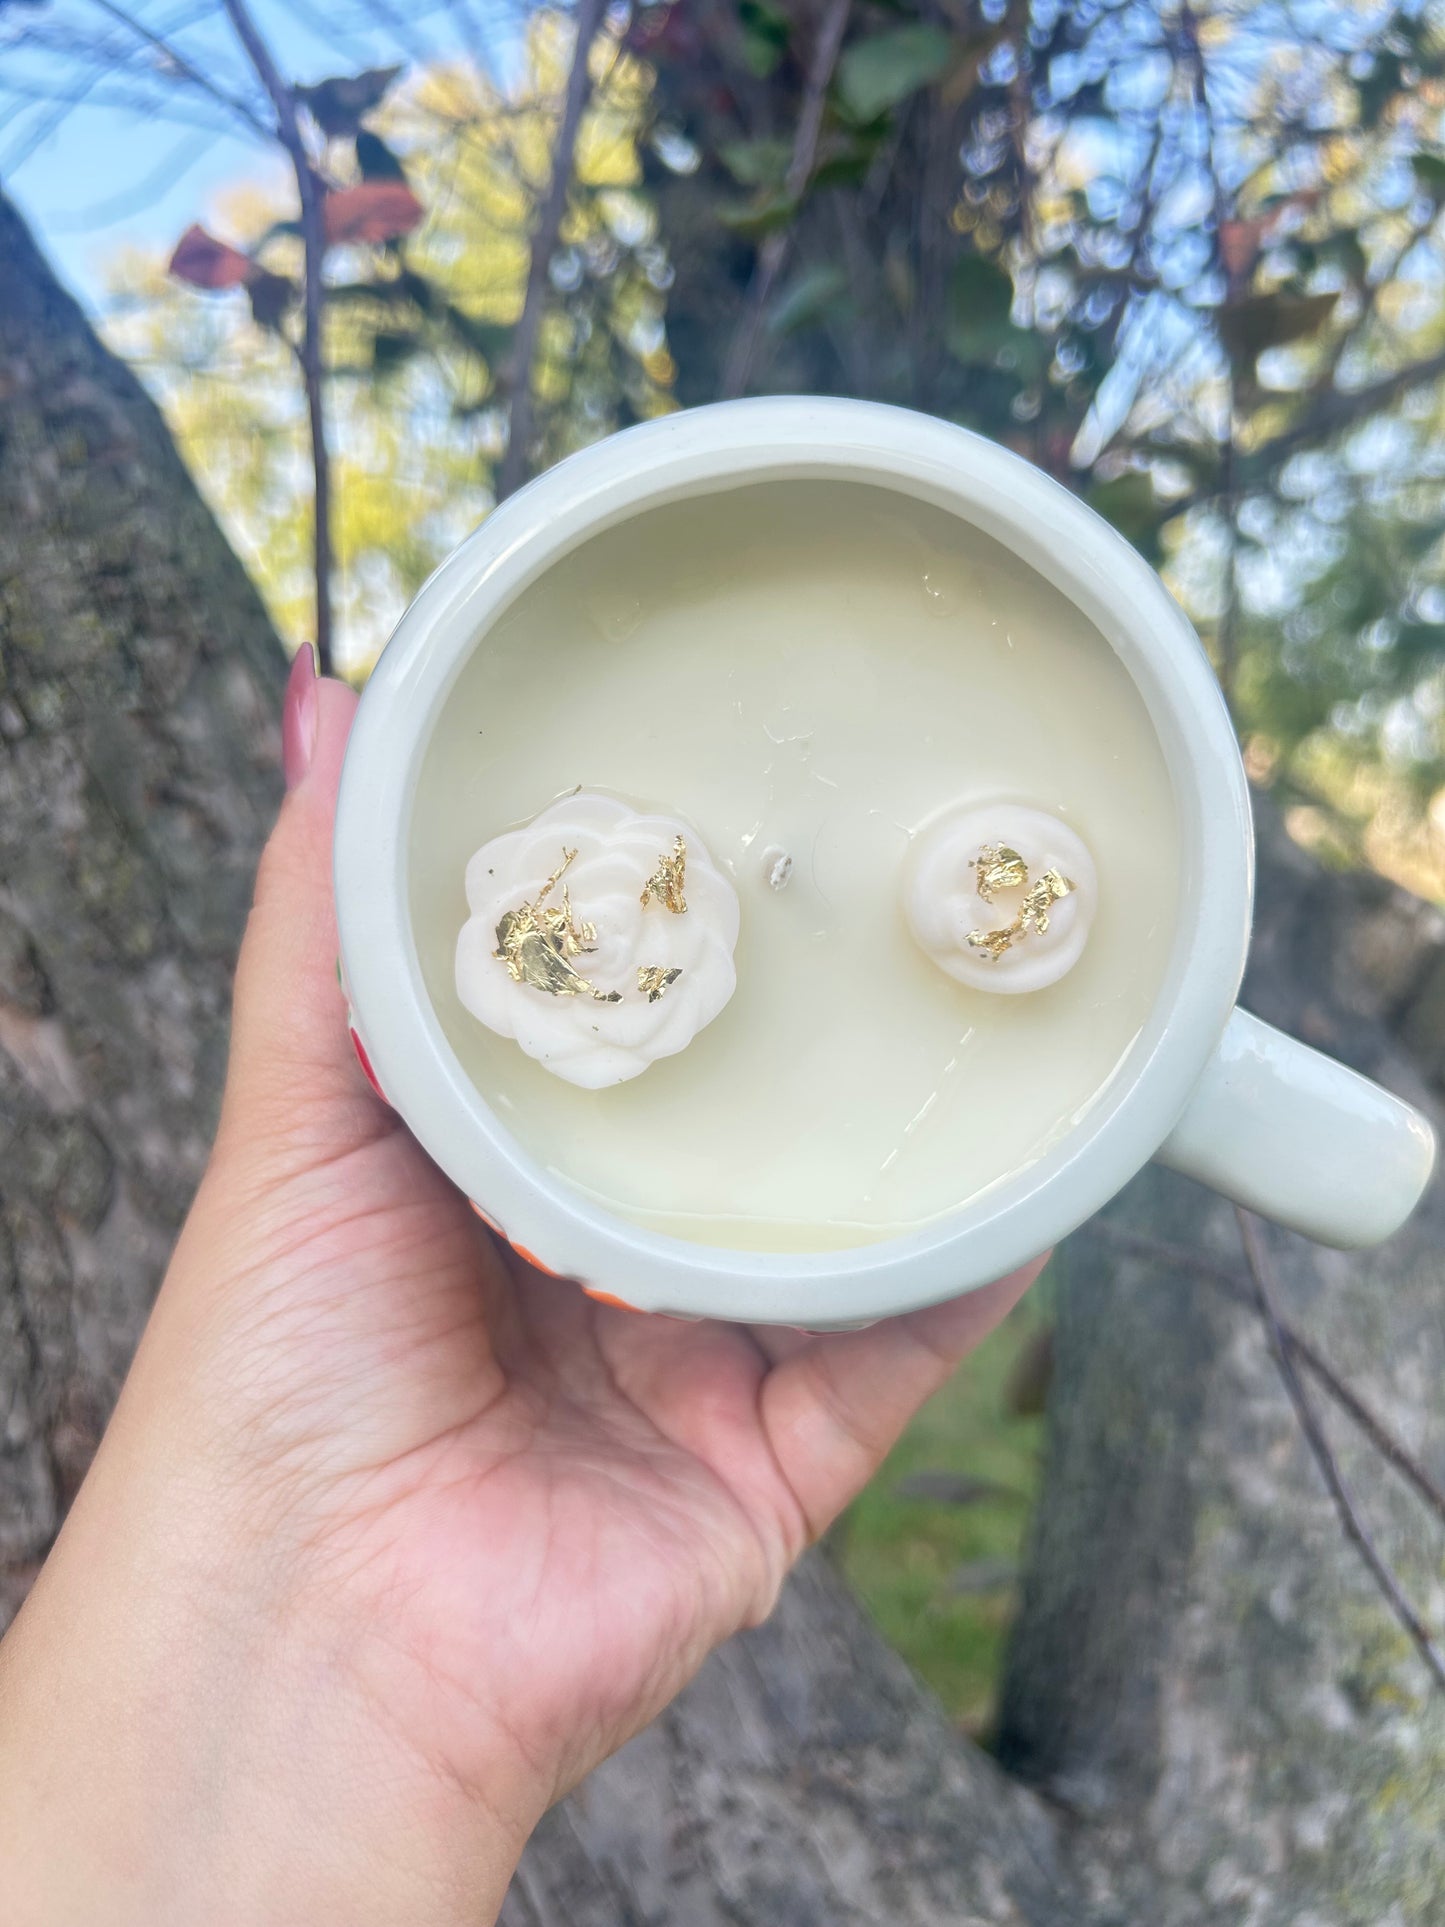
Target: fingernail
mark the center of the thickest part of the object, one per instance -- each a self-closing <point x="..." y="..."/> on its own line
<point x="298" y="717"/>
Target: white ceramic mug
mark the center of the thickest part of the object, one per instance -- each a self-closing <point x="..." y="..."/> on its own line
<point x="1205" y="1089"/>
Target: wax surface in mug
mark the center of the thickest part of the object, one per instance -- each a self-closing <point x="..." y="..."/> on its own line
<point x="814" y="668"/>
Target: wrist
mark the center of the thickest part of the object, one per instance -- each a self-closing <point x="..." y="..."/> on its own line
<point x="174" y="1749"/>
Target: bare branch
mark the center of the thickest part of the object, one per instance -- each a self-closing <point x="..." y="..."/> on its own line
<point x="183" y="67"/>
<point x="1334" y="1478"/>
<point x="774" y="251"/>
<point x="1237" y="1285"/>
<point x="313" y="239"/>
<point x="1342" y="409"/>
<point x="513" y="469"/>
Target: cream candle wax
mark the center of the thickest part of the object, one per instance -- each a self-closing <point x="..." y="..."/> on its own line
<point x="811" y="671"/>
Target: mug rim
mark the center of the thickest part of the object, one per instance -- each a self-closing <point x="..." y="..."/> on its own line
<point x="735" y="444"/>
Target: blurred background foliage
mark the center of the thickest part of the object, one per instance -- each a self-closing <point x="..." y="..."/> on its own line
<point x="1184" y="255"/>
<point x="1187" y="258"/>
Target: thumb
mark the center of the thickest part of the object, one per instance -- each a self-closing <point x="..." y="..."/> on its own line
<point x="293" y="1082"/>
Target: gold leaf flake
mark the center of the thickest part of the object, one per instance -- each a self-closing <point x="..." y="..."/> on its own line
<point x="667" y="880"/>
<point x="537" y="944"/>
<point x="997" y="867"/>
<point x="1004" y="869"/>
<point x="654" y="979"/>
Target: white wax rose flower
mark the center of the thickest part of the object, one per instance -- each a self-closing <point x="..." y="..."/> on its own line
<point x="1000" y="896"/>
<point x="562" y="953"/>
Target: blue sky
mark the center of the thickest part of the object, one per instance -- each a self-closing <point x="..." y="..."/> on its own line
<point x="107" y="174"/>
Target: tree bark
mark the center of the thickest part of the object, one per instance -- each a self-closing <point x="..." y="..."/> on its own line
<point x="138" y="773"/>
<point x="1203" y="1675"/>
<point x="805" y="1779"/>
<point x="1208" y="1716"/>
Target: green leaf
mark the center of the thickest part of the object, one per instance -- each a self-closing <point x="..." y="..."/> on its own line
<point x="754" y="219"/>
<point x="1345" y="252"/>
<point x="271" y="296"/>
<point x="1263" y="321"/>
<point x="980" y="296"/>
<point x="412" y="286"/>
<point x="756" y="163"/>
<point x="1383" y="85"/>
<point x="1421" y="640"/>
<point x="389" y="351"/>
<point x="807" y="298"/>
<point x="1430" y="173"/>
<point x="765" y="31"/>
<point x="1127" y="501"/>
<point x="878" y="73"/>
<point x="845" y="165"/>
<point x="376" y="160"/>
<point x="489" y="339"/>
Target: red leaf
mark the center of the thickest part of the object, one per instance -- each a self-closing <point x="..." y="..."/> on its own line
<point x="208" y="263"/>
<point x="1239" y="243"/>
<point x="371" y="211"/>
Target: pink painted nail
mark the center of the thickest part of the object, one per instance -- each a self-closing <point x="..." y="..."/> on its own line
<point x="298" y="716"/>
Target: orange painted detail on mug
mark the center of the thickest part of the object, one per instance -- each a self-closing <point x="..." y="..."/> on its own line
<point x="607" y="1298"/>
<point x="531" y="1258"/>
<point x="527" y="1257"/>
<point x="365" y="1063"/>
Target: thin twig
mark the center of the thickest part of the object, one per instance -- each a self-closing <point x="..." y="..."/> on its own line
<point x="1236" y="1285"/>
<point x="1021" y="108"/>
<point x="182" y="67"/>
<point x="1227" y="633"/>
<point x="1341" y="409"/>
<point x="513" y="469"/>
<point x="1325" y="380"/>
<point x="1334" y="1478"/>
<point x="937" y="151"/>
<point x="313" y="240"/>
<point x="774" y="250"/>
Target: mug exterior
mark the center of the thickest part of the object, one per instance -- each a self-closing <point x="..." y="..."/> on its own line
<point x="731" y="445"/>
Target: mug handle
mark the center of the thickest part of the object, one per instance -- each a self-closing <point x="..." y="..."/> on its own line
<point x="1288" y="1132"/>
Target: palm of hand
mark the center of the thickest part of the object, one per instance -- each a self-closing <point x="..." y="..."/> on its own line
<point x="522" y="1512"/>
<point x="533" y="1513"/>
<point x="514" y="1511"/>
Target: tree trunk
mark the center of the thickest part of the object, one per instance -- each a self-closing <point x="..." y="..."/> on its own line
<point x="138" y="774"/>
<point x="1204" y="1676"/>
<point x="805" y="1779"/>
<point x="1209" y="1715"/>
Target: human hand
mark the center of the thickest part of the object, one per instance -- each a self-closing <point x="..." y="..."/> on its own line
<point x="392" y="1537"/>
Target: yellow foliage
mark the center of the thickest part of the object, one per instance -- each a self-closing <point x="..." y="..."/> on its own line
<point x="414" y="436"/>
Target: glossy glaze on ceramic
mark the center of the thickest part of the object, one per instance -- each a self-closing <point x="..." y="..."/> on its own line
<point x="1296" y="1159"/>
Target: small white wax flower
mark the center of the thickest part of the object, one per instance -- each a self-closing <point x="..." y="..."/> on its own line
<point x="1000" y="896"/>
<point x="578" y="944"/>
